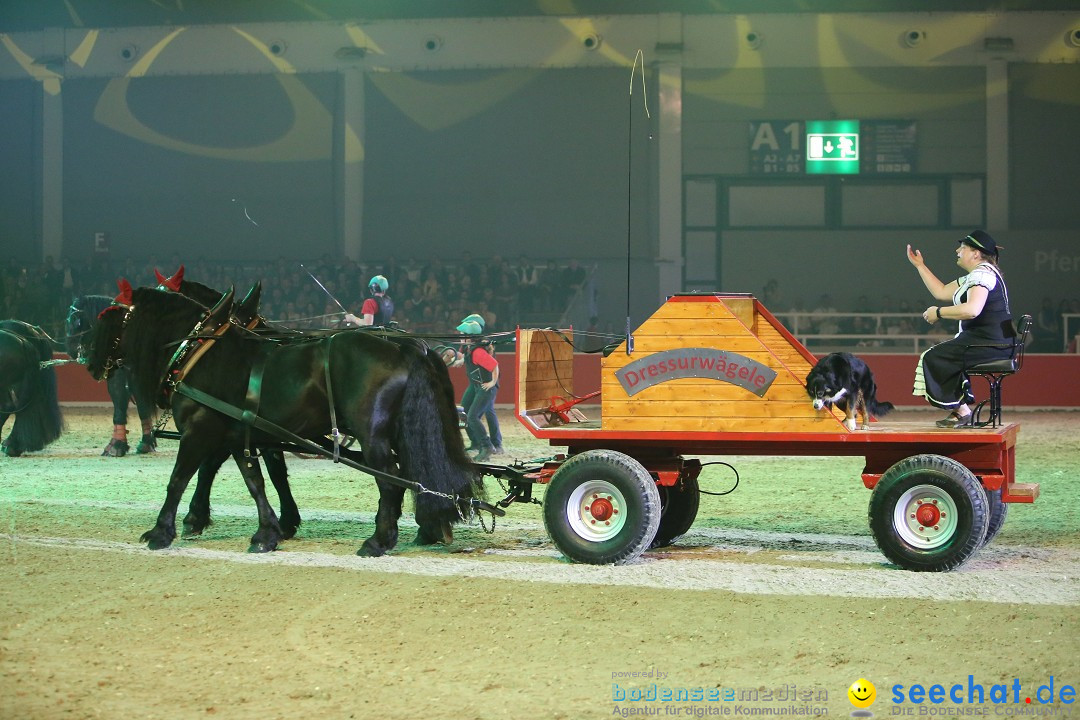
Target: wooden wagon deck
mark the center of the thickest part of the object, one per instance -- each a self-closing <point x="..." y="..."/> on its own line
<point x="720" y="375"/>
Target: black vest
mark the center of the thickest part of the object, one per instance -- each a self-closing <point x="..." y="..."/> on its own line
<point x="385" y="311"/>
<point x="995" y="320"/>
<point x="476" y="373"/>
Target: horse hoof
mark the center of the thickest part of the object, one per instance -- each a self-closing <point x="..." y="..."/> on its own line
<point x="156" y="540"/>
<point x="444" y="535"/>
<point x="370" y="549"/>
<point x="147" y="445"/>
<point x="157" y="543"/>
<point x="194" y="526"/>
<point x="12" y="451"/>
<point x="288" y="532"/>
<point x="116" y="448"/>
<point x="262" y="547"/>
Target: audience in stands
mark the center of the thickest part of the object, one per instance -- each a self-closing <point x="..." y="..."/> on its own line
<point x="432" y="296"/>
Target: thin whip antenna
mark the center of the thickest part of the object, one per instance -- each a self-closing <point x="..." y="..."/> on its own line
<point x="629" y="175"/>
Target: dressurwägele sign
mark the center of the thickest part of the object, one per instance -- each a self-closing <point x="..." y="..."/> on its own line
<point x="708" y="363"/>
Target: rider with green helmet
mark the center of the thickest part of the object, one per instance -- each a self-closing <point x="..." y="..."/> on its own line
<point x="377" y="309"/>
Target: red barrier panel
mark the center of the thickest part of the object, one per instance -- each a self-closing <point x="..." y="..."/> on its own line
<point x="1045" y="381"/>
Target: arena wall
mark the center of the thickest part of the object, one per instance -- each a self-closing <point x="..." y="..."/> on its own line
<point x="1046" y="381"/>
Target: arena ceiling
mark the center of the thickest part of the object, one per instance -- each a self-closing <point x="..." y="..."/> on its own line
<point x="35" y="15"/>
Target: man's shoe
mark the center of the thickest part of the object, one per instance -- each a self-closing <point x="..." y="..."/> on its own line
<point x="497" y="450"/>
<point x="955" y="420"/>
<point x="483" y="456"/>
<point x="116" y="448"/>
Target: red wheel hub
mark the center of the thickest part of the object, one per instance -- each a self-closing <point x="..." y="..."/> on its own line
<point x="927" y="515"/>
<point x="601" y="509"/>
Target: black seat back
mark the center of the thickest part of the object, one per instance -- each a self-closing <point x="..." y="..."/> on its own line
<point x="1023" y="334"/>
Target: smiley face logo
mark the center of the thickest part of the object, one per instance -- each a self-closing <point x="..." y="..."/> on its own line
<point x="862" y="693"/>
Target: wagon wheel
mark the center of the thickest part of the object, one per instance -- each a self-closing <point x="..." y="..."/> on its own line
<point x="601" y="507"/>
<point x="997" y="511"/>
<point x="679" y="506"/>
<point x="928" y="512"/>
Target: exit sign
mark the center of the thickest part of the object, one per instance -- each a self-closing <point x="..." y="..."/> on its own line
<point x="832" y="147"/>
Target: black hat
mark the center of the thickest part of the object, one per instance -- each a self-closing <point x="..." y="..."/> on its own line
<point x="981" y="240"/>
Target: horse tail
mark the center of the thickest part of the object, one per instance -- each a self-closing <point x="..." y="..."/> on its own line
<point x="39" y="420"/>
<point x="437" y="460"/>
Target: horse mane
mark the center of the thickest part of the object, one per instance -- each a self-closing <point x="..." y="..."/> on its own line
<point x="86" y="308"/>
<point x="92" y="304"/>
<point x="202" y="294"/>
<point x="158" y="321"/>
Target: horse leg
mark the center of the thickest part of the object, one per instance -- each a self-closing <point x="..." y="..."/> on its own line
<point x="188" y="457"/>
<point x="267" y="537"/>
<point x="386" y="521"/>
<point x="289" y="518"/>
<point x="198" y="515"/>
<point x="9" y="451"/>
<point x="377" y="453"/>
<point x="147" y="443"/>
<point x="117" y="385"/>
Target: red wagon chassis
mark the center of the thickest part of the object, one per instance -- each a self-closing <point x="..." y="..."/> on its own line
<point x="990" y="454"/>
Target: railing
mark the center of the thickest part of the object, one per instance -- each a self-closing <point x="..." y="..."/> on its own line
<point x="1069" y="337"/>
<point x="880" y="334"/>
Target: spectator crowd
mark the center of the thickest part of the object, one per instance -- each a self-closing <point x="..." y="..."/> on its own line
<point x="428" y="296"/>
<point x="433" y="296"/>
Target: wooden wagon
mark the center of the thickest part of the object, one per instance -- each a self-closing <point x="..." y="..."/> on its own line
<point x="716" y="375"/>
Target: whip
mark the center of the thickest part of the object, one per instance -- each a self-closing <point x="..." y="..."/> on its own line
<point x="323" y="287"/>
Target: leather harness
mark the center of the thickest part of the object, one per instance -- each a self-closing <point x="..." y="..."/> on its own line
<point x="196" y="345"/>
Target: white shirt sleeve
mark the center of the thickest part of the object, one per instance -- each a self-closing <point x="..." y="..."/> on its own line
<point x="982" y="275"/>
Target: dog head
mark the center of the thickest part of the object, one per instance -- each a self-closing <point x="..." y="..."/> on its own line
<point x="820" y="392"/>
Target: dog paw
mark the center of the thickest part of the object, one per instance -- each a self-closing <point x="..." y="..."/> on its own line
<point x="850" y="425"/>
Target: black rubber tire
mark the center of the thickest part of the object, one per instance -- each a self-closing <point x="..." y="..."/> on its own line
<point x="997" y="511"/>
<point x="945" y="487"/>
<point x="610" y="486"/>
<point x="678" y="509"/>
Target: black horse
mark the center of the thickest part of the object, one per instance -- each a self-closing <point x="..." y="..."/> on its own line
<point x="244" y="313"/>
<point x="27" y="389"/>
<point x="81" y="319"/>
<point x="384" y="394"/>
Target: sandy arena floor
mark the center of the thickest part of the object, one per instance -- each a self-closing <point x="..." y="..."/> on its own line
<point x="777" y="594"/>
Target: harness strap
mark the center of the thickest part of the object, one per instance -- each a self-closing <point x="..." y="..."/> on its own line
<point x="334" y="432"/>
<point x="204" y="344"/>
<point x="188" y="353"/>
<point x="266" y="426"/>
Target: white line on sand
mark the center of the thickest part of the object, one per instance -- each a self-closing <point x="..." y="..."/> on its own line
<point x="1022" y="579"/>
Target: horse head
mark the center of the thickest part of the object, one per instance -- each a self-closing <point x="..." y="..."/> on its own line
<point x="80" y="323"/>
<point x="102" y="353"/>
